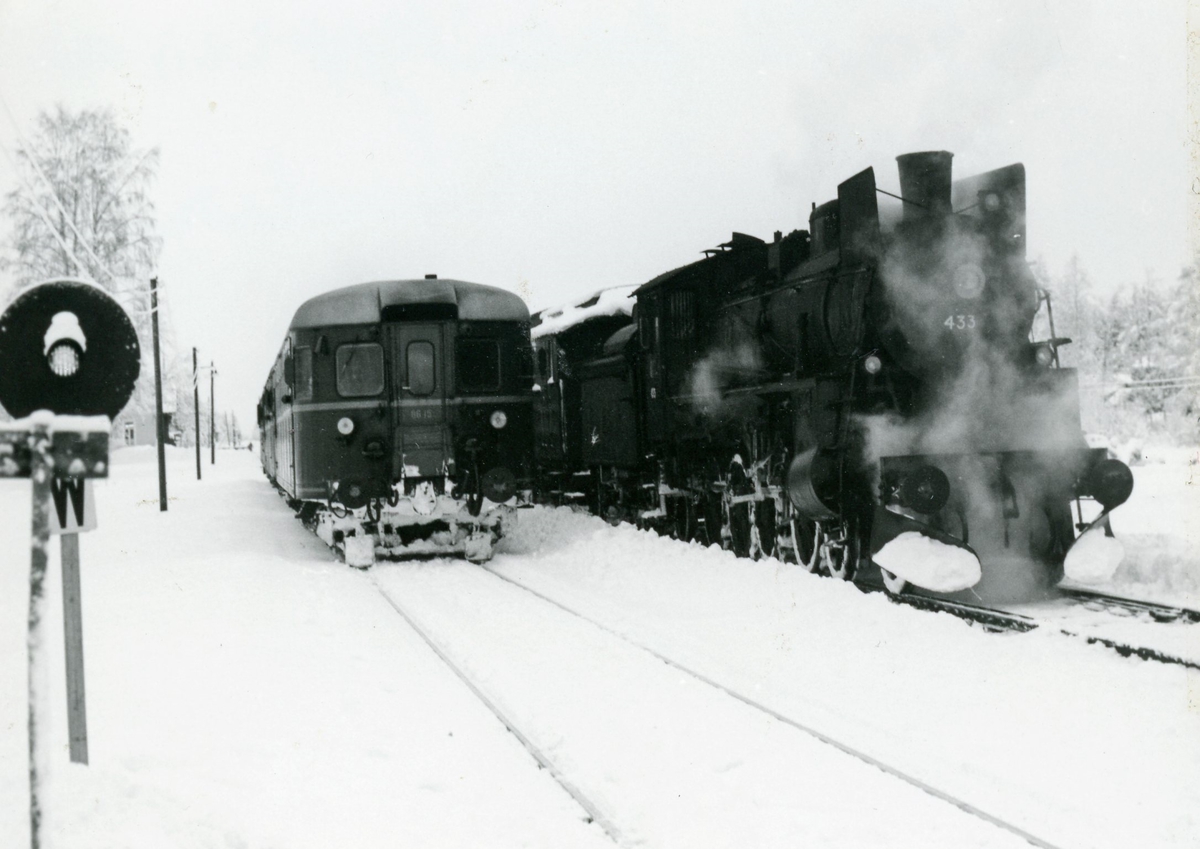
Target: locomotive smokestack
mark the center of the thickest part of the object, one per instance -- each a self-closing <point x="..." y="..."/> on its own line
<point x="925" y="180"/>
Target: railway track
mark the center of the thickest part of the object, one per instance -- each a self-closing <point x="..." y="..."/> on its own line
<point x="594" y="810"/>
<point x="1157" y="612"/>
<point x="1057" y="614"/>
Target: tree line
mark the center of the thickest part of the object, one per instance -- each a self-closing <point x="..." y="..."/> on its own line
<point x="1137" y="351"/>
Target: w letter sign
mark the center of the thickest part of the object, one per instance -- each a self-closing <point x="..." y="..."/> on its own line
<point x="73" y="508"/>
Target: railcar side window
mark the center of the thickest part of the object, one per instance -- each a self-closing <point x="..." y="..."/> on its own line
<point x="421" y="378"/>
<point x="478" y="365"/>
<point x="304" y="374"/>
<point x="360" y="369"/>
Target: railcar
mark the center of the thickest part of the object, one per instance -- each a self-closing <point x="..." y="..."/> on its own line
<point x="864" y="398"/>
<point x="397" y="417"/>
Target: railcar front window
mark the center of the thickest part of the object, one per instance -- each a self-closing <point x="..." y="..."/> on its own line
<point x="421" y="375"/>
<point x="478" y="364"/>
<point x="360" y="370"/>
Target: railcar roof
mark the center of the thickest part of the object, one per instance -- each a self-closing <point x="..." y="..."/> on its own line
<point x="364" y="303"/>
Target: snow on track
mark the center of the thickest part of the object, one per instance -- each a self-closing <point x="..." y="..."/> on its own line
<point x="1095" y="620"/>
<point x="247" y="690"/>
<point x="1067" y="741"/>
<point x="670" y="760"/>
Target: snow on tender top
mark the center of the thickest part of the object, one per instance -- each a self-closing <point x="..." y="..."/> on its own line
<point x="616" y="300"/>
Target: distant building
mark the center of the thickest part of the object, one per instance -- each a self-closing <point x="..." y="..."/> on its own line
<point x="135" y="426"/>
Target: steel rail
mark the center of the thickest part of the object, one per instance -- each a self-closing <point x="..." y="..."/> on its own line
<point x="961" y="804"/>
<point x="593" y="811"/>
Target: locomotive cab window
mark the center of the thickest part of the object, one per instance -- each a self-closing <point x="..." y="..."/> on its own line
<point x="420" y="377"/>
<point x="478" y="365"/>
<point x="359" y="369"/>
<point x="682" y="307"/>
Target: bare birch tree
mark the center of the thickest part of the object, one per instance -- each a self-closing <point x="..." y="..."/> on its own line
<point x="83" y="207"/>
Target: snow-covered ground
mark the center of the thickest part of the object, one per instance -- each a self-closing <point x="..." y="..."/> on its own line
<point x="1160" y="528"/>
<point x="245" y="690"/>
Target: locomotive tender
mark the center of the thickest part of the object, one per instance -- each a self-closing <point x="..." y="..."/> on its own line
<point x="862" y="398"/>
<point x="397" y="417"/>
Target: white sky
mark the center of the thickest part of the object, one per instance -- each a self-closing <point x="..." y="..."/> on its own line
<point x="553" y="148"/>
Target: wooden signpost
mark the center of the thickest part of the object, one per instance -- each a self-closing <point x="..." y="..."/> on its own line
<point x="71" y="360"/>
<point x="74" y="511"/>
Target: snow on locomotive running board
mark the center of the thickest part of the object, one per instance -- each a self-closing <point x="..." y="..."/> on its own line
<point x="245" y="689"/>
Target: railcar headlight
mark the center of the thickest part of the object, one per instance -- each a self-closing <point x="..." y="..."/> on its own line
<point x="1044" y="355"/>
<point x="498" y="419"/>
<point x="872" y="364"/>
<point x="345" y="425"/>
<point x="968" y="281"/>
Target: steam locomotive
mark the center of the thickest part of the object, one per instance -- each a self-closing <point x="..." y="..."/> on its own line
<point x="397" y="417"/>
<point x="862" y="398"/>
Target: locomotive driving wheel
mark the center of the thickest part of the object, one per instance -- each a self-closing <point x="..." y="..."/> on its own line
<point x="765" y="513"/>
<point x="737" y="533"/>
<point x="684" y="523"/>
<point x="840" y="550"/>
<point x="797" y="540"/>
<point x="711" y="520"/>
<point x="807" y="541"/>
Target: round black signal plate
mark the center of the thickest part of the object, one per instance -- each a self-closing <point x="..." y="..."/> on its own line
<point x="108" y="367"/>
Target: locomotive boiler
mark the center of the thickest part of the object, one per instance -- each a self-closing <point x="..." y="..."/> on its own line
<point x="863" y="398"/>
<point x="397" y="418"/>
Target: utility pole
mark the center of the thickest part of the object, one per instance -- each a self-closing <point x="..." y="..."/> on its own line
<point x="160" y="426"/>
<point x="196" y="398"/>
<point x="212" y="410"/>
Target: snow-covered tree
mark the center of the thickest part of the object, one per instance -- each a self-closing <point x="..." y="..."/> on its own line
<point x="82" y="208"/>
<point x="1135" y="352"/>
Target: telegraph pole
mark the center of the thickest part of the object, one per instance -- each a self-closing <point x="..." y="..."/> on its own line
<point x="160" y="426"/>
<point x="196" y="398"/>
<point x="212" y="410"/>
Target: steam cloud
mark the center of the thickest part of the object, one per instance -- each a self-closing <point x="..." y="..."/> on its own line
<point x="984" y="401"/>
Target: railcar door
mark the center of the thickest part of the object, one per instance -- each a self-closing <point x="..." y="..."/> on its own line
<point x="418" y="367"/>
